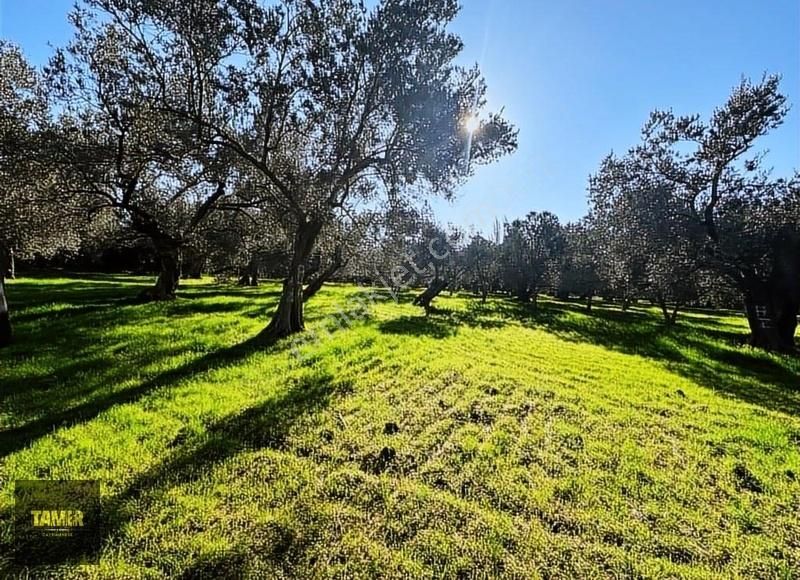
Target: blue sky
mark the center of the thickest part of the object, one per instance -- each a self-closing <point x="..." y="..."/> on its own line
<point x="578" y="77"/>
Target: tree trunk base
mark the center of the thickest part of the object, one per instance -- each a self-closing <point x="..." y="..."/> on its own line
<point x="165" y="289"/>
<point x="432" y="291"/>
<point x="772" y="317"/>
<point x="156" y="295"/>
<point x="166" y="285"/>
<point x="773" y="338"/>
<point x="288" y="318"/>
<point x="276" y="331"/>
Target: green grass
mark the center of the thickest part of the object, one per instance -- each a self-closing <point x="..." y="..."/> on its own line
<point x="483" y="441"/>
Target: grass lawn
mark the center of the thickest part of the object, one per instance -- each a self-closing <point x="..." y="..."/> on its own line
<point x="484" y="441"/>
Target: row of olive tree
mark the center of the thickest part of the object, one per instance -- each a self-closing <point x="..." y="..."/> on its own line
<point x="682" y="218"/>
<point x="687" y="203"/>
<point x="538" y="254"/>
<point x="296" y="115"/>
<point x="295" y="139"/>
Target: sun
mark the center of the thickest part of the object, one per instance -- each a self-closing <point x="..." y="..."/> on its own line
<point x="471" y="123"/>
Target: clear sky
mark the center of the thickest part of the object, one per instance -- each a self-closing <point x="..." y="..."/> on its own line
<point x="578" y="77"/>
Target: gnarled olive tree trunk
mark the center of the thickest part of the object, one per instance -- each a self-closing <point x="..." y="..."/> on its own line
<point x="169" y="258"/>
<point x="169" y="250"/>
<point x="316" y="283"/>
<point x="772" y="315"/>
<point x="288" y="317"/>
<point x="435" y="288"/>
<point x="772" y="305"/>
<point x="5" y="321"/>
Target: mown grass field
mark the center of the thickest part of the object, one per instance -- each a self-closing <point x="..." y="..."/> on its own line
<point x="485" y="441"/>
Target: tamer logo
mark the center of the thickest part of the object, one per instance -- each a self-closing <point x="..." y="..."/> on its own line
<point x="57" y="522"/>
<point x="57" y="518"/>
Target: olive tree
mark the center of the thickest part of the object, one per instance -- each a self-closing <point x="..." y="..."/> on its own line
<point x="650" y="249"/>
<point x="482" y="265"/>
<point x="326" y="103"/>
<point x="748" y="221"/>
<point x="120" y="152"/>
<point x="530" y="250"/>
<point x="579" y="267"/>
<point x="759" y="251"/>
<point x="437" y="262"/>
<point x="34" y="219"/>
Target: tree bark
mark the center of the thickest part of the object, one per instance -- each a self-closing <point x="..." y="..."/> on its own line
<point x="288" y="317"/>
<point x="435" y="288"/>
<point x="771" y="315"/>
<point x="169" y="251"/>
<point x="772" y="305"/>
<point x="5" y="321"/>
<point x="674" y="316"/>
<point x="169" y="276"/>
<point x="322" y="276"/>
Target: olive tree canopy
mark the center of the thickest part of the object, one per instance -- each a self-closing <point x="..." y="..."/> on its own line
<point x="323" y="104"/>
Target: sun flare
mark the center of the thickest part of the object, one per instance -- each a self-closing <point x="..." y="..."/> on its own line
<point x="471" y="123"/>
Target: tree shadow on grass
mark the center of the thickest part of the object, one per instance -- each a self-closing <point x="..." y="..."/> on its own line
<point x="706" y="350"/>
<point x="77" y="342"/>
<point x="442" y="322"/>
<point x="194" y="307"/>
<point x="769" y="381"/>
<point x="77" y="365"/>
<point x="184" y="305"/>
<point x="419" y="326"/>
<point x="265" y="425"/>
<point x="29" y="314"/>
<point x="711" y="355"/>
<point x="216" y="291"/>
<point x="59" y="350"/>
<point x="24" y="296"/>
<point x="13" y="440"/>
